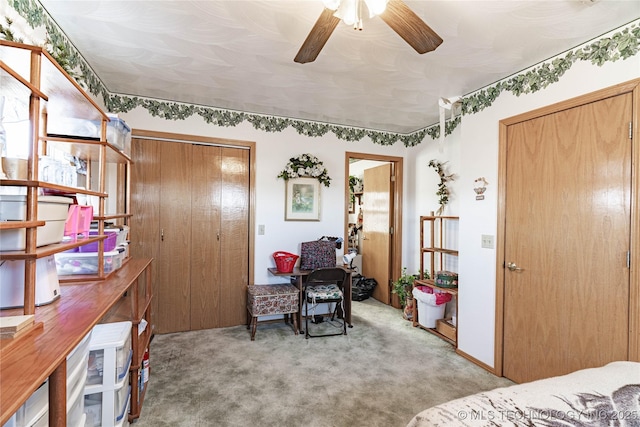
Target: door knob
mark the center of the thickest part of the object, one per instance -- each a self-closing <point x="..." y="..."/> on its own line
<point x="513" y="267"/>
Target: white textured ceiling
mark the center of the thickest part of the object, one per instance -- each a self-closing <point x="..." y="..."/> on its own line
<point x="238" y="54"/>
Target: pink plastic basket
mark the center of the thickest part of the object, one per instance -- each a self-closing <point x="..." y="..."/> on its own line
<point x="78" y="220"/>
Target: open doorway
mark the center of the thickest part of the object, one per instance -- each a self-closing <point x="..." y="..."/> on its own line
<point x="376" y="235"/>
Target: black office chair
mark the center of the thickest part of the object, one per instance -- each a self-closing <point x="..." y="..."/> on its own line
<point x="325" y="285"/>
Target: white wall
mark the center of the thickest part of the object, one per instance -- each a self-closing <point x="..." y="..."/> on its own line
<point x="479" y="158"/>
<point x="471" y="151"/>
<point x="421" y="186"/>
<point x="273" y="151"/>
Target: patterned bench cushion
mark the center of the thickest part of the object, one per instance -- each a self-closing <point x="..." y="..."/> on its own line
<point x="318" y="293"/>
<point x="263" y="300"/>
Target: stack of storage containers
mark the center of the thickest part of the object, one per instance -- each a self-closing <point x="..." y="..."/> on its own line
<point x="51" y="209"/>
<point x="35" y="411"/>
<point x="84" y="260"/>
<point x="107" y="391"/>
<point x="77" y="362"/>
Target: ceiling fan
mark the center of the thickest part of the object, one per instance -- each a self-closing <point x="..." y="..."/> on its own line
<point x="395" y="13"/>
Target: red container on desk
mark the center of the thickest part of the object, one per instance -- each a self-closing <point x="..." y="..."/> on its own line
<point x="285" y="261"/>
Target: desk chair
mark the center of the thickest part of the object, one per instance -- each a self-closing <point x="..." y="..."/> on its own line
<point x="325" y="285"/>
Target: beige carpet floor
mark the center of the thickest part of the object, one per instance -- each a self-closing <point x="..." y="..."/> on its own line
<point x="381" y="374"/>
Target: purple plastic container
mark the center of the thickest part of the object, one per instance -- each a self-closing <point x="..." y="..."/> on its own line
<point x="109" y="242"/>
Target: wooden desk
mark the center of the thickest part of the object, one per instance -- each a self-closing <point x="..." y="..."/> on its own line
<point x="301" y="274"/>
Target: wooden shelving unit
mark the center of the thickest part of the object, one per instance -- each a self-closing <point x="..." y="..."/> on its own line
<point x="41" y="354"/>
<point x="436" y="253"/>
<point x="31" y="75"/>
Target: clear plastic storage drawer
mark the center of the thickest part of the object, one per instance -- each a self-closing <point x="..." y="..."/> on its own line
<point x="107" y="410"/>
<point x="70" y="263"/>
<point x="110" y="354"/>
<point x="32" y="411"/>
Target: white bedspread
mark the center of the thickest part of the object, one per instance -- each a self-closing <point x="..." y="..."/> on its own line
<point x="606" y="396"/>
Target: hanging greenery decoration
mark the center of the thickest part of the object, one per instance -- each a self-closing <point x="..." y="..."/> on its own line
<point x="443" y="191"/>
<point x="355" y="186"/>
<point x="306" y="165"/>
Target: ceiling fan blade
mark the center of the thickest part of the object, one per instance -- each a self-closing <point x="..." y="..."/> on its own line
<point x="410" y="27"/>
<point x="318" y="36"/>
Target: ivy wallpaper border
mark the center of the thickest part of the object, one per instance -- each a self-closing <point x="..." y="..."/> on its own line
<point x="622" y="43"/>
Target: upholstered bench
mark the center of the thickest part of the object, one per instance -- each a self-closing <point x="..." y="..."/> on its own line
<point x="267" y="300"/>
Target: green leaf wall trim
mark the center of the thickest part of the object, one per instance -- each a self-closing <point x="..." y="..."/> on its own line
<point x="622" y="44"/>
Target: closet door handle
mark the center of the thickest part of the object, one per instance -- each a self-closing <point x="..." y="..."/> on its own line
<point x="513" y="267"/>
<point x="218" y="236"/>
<point x="162" y="234"/>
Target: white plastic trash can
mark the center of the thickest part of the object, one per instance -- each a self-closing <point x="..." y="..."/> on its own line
<point x="428" y="310"/>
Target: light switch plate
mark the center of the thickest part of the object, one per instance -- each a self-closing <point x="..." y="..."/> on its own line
<point x="260" y="229"/>
<point x="487" y="241"/>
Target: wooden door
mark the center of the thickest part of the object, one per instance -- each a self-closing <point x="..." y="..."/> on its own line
<point x="234" y="240"/>
<point x="567" y="227"/>
<point x="174" y="260"/>
<point x="376" y="226"/>
<point x="205" y="237"/>
<point x="145" y="196"/>
<point x="192" y="216"/>
<point x="220" y="237"/>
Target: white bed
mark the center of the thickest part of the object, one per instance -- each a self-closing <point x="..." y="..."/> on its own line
<point x="606" y="396"/>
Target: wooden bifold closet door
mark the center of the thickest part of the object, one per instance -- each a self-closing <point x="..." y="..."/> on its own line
<point x="193" y="206"/>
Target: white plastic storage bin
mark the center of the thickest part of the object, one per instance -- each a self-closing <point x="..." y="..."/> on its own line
<point x="76" y="380"/>
<point x="51" y="209"/>
<point x="71" y="263"/>
<point x="75" y="399"/>
<point x="43" y="421"/>
<point x="33" y="410"/>
<point x="107" y="408"/>
<point x="12" y="279"/>
<point x="122" y="234"/>
<point x="77" y="362"/>
<point x="119" y="134"/>
<point x="429" y="311"/>
<point x="109" y="356"/>
<point x="79" y="356"/>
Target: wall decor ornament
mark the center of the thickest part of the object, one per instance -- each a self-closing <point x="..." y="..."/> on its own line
<point x="480" y="187"/>
<point x="306" y="165"/>
<point x="302" y="199"/>
<point x="443" y="191"/>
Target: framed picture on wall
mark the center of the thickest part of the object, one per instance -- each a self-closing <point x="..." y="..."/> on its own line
<point x="302" y="199"/>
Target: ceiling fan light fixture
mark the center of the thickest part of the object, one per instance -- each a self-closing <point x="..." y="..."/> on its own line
<point x="331" y="4"/>
<point x="395" y="13"/>
<point x="349" y="11"/>
<point x="376" y="7"/>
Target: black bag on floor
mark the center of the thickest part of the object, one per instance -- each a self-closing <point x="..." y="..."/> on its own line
<point x="362" y="287"/>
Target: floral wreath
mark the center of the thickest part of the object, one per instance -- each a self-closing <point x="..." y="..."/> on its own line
<point x="306" y="165"/>
<point x="443" y="191"/>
